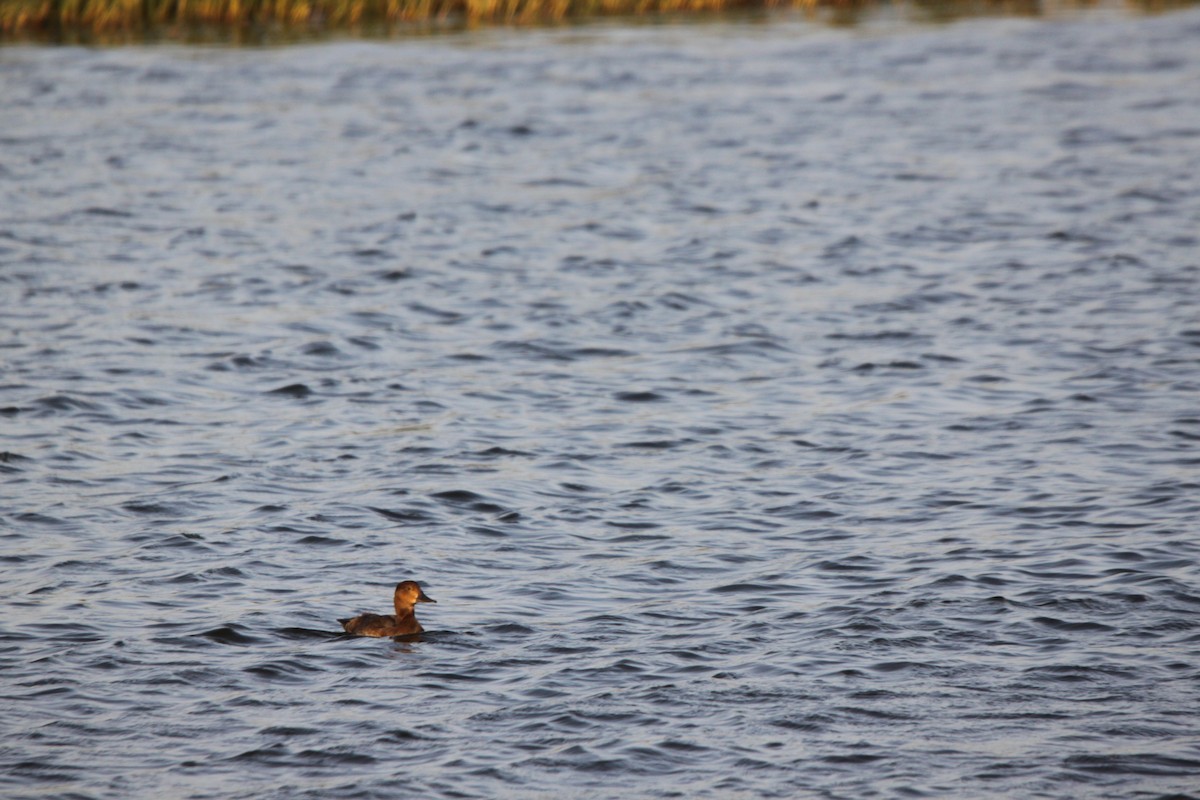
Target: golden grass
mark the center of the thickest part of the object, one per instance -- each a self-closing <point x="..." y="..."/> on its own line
<point x="101" y="15"/>
<point x="140" y="15"/>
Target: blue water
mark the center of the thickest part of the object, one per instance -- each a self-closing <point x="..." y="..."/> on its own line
<point x="773" y="411"/>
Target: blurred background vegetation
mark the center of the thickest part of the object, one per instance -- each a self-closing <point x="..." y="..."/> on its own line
<point x="250" y="21"/>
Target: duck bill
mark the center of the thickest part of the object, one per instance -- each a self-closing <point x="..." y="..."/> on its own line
<point x="424" y="598"/>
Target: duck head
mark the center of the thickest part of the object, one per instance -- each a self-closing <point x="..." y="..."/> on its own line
<point x="409" y="593"/>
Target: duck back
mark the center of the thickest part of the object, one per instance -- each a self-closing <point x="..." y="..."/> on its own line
<point x="381" y="625"/>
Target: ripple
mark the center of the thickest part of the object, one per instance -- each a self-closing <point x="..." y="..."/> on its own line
<point x="804" y="414"/>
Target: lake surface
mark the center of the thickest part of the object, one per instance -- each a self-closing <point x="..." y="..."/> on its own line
<point x="772" y="410"/>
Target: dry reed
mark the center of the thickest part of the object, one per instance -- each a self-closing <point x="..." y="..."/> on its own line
<point x="102" y="15"/>
<point x="140" y="15"/>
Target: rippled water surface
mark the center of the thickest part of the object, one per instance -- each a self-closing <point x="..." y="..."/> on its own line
<point x="772" y="411"/>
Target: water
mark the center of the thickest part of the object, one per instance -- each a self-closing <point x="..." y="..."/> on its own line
<point x="773" y="411"/>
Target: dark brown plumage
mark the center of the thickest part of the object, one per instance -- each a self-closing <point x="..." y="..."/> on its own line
<point x="402" y="623"/>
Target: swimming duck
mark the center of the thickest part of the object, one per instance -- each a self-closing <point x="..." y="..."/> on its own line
<point x="404" y="623"/>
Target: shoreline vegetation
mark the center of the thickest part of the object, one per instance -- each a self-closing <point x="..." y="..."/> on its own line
<point x="76" y="19"/>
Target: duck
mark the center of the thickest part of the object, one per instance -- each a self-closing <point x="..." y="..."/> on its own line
<point x="403" y="623"/>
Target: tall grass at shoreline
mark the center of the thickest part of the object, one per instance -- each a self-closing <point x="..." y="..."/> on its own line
<point x="98" y="16"/>
<point x="109" y="14"/>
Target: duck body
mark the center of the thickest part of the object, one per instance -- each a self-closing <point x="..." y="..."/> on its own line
<point x="382" y="625"/>
<point x="402" y="623"/>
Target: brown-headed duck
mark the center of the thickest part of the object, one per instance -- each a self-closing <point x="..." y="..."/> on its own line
<point x="404" y="623"/>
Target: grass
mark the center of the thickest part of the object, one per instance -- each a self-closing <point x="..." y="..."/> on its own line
<point x="18" y="15"/>
<point x="132" y="16"/>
